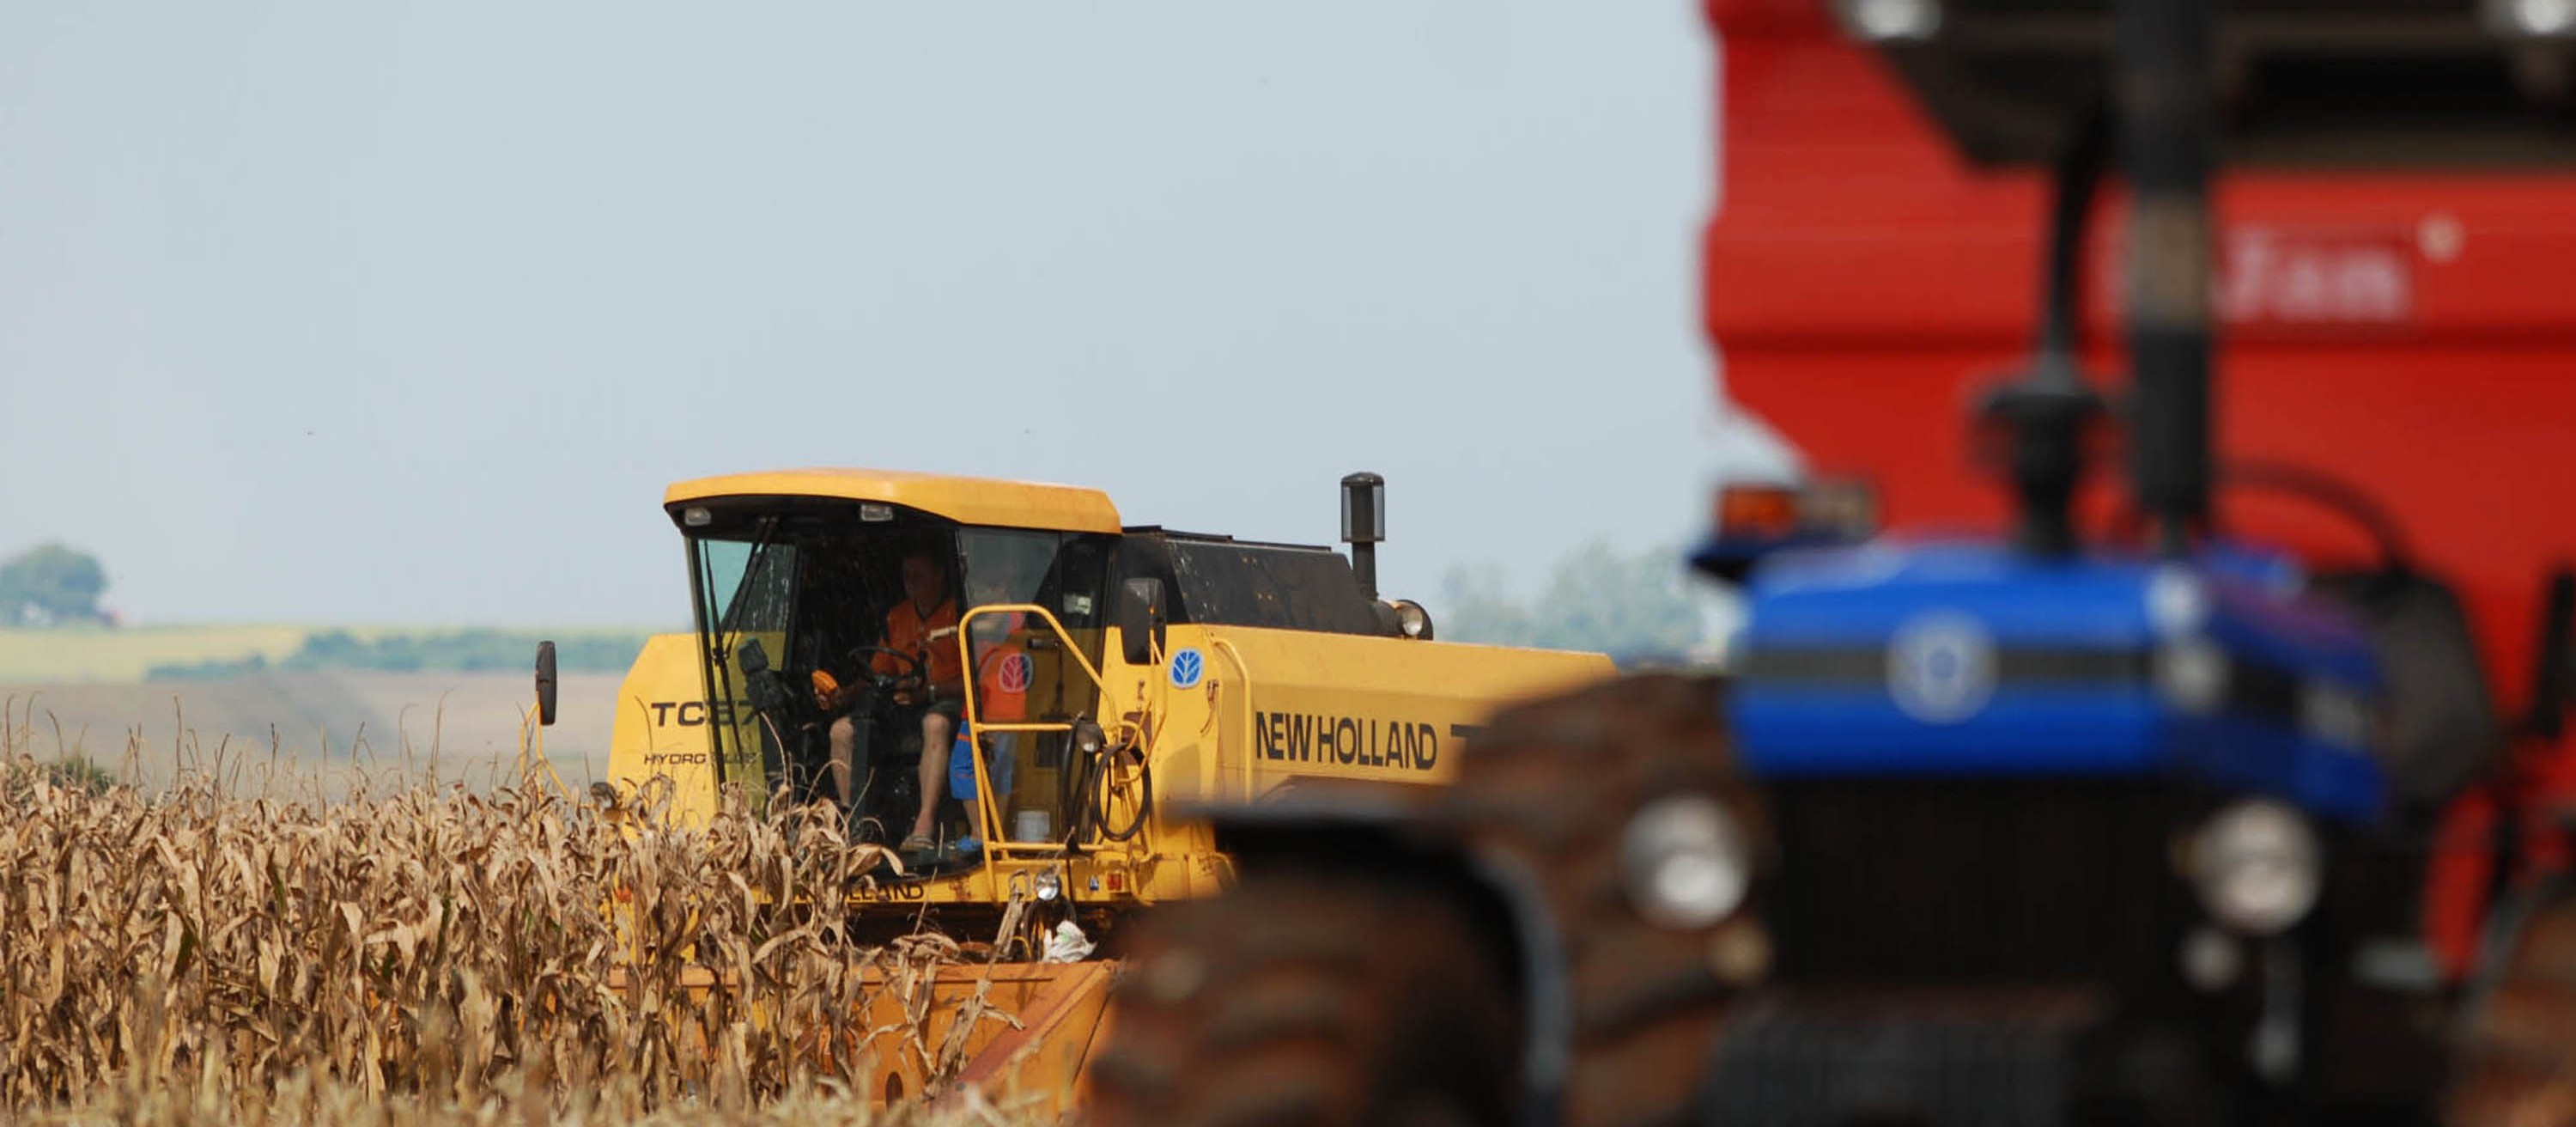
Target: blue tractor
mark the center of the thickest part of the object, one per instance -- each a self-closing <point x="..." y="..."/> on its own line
<point x="2035" y="829"/>
<point x="1972" y="832"/>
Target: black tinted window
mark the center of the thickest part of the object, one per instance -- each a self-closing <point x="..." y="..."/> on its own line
<point x="1233" y="584"/>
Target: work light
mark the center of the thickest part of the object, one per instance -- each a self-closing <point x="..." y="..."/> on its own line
<point x="1411" y="620"/>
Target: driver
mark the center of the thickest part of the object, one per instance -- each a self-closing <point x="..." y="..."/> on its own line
<point x="923" y="625"/>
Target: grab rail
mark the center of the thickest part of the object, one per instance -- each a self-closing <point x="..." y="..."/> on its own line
<point x="1243" y="667"/>
<point x="987" y="813"/>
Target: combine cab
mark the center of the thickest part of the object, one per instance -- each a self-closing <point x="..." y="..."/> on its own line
<point x="1010" y="696"/>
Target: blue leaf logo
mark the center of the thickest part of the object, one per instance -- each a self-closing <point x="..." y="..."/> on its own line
<point x="1941" y="667"/>
<point x="1187" y="665"/>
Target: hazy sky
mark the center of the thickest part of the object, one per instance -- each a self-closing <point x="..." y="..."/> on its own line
<point x="406" y="313"/>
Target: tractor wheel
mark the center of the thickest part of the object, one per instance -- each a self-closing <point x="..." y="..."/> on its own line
<point x="1551" y="785"/>
<point x="1306" y="1000"/>
<point x="1307" y="997"/>
<point x="2517" y="1063"/>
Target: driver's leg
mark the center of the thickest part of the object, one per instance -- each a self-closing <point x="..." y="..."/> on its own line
<point x="845" y="733"/>
<point x="934" y="769"/>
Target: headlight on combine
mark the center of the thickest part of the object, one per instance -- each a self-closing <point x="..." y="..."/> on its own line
<point x="1685" y="862"/>
<point x="2258" y="867"/>
<point x="1049" y="885"/>
<point x="1411" y="620"/>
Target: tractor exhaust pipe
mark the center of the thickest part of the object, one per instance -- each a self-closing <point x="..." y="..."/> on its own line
<point x="1364" y="525"/>
<point x="2048" y="410"/>
<point x="2161" y="51"/>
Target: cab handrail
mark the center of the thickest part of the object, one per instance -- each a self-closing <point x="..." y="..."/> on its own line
<point x="1244" y="668"/>
<point x="997" y="845"/>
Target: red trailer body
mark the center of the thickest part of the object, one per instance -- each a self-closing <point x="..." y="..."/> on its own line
<point x="2412" y="335"/>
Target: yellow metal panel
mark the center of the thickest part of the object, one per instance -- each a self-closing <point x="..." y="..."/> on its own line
<point x="1273" y="706"/>
<point x="966" y="500"/>
<point x="661" y="732"/>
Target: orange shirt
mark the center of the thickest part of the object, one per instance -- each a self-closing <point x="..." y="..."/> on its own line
<point x="908" y="631"/>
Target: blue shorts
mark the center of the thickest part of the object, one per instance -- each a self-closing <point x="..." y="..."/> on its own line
<point x="961" y="765"/>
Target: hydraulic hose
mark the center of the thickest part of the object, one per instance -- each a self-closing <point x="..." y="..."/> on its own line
<point x="1144" y="804"/>
<point x="1091" y="799"/>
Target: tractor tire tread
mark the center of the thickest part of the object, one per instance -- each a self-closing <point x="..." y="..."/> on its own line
<point x="1552" y="783"/>
<point x="2517" y="1062"/>
<point x="1288" y="1022"/>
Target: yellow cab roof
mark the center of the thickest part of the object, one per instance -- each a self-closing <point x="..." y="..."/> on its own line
<point x="966" y="500"/>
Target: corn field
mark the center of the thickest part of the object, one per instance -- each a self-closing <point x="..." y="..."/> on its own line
<point x="257" y="958"/>
<point x="299" y="1102"/>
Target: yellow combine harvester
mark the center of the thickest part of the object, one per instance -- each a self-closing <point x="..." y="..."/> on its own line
<point x="1099" y="678"/>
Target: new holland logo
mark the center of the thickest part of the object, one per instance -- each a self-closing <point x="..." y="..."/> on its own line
<point x="1187" y="667"/>
<point x="1016" y="672"/>
<point x="1941" y="667"/>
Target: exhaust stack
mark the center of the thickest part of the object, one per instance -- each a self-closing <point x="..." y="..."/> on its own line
<point x="1364" y="525"/>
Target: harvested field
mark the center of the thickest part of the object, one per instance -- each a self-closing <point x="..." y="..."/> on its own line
<point x="315" y="724"/>
<point x="80" y="654"/>
<point x="89" y="654"/>
<point x="424" y="954"/>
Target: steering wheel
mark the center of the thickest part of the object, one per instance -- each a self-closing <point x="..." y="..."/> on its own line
<point x="867" y="674"/>
<point x="912" y="664"/>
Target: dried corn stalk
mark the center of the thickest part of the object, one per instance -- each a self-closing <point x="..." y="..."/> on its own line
<point x="423" y="943"/>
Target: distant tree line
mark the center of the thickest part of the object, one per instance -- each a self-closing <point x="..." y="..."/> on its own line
<point x="51" y="585"/>
<point x="452" y="651"/>
<point x="1637" y="608"/>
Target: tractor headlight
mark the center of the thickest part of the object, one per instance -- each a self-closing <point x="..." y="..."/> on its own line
<point x="2192" y="672"/>
<point x="1881" y="21"/>
<point x="2531" y="19"/>
<point x="1049" y="885"/>
<point x="1685" y="862"/>
<point x="2258" y="867"/>
<point x="2177" y="602"/>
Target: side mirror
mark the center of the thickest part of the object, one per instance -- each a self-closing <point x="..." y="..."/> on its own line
<point x="1140" y="620"/>
<point x="545" y="683"/>
<point x="752" y="657"/>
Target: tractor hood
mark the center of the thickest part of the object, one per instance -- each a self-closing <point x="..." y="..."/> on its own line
<point x="1959" y="660"/>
